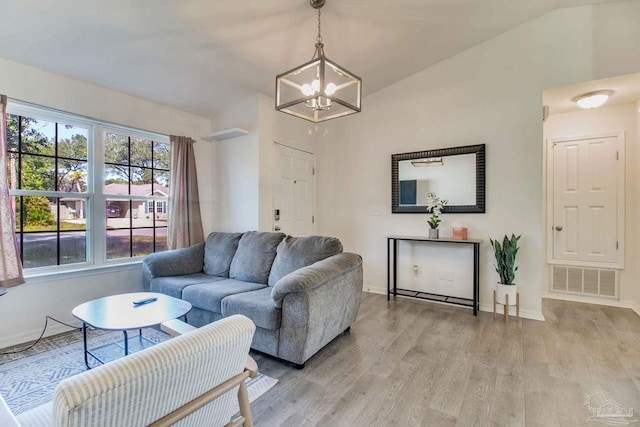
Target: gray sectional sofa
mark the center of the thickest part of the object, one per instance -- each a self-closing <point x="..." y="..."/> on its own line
<point x="301" y="292"/>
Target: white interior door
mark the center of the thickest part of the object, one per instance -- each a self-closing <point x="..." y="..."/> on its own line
<point x="294" y="192"/>
<point x="586" y="181"/>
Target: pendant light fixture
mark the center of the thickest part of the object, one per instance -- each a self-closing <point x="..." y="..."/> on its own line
<point x="320" y="89"/>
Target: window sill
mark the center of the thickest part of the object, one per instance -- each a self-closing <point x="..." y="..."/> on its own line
<point x="86" y="270"/>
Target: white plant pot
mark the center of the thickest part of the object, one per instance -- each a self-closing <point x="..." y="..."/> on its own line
<point x="502" y="290"/>
<point x="433" y="233"/>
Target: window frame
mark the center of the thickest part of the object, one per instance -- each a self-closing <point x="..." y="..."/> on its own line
<point x="96" y="232"/>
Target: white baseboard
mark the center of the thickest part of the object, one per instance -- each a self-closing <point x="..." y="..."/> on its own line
<point x="591" y="300"/>
<point x="525" y="314"/>
<point x="375" y="291"/>
<point x="29" y="336"/>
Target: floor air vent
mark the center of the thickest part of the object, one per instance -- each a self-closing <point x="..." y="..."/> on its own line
<point x="585" y="281"/>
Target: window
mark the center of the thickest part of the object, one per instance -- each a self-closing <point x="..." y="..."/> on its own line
<point x="62" y="168"/>
<point x="136" y="170"/>
<point x="48" y="178"/>
<point x="158" y="207"/>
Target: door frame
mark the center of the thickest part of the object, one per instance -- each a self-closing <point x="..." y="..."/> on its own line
<point x="274" y="179"/>
<point x="620" y="197"/>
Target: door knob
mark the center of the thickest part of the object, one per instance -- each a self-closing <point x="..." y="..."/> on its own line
<point x="277" y="228"/>
<point x="558" y="228"/>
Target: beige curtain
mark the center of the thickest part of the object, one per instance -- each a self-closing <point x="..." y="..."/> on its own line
<point x="185" y="223"/>
<point x="10" y="264"/>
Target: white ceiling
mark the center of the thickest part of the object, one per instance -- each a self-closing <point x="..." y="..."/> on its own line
<point x="200" y="56"/>
<point x="626" y="90"/>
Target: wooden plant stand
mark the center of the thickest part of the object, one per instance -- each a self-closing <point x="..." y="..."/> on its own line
<point x="506" y="306"/>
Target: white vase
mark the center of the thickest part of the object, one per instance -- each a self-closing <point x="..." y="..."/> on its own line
<point x="502" y="290"/>
<point x="433" y="233"/>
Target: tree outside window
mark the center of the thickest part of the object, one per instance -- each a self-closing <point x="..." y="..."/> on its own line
<point x="48" y="182"/>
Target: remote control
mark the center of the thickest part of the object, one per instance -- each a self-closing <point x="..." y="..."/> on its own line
<point x="145" y="301"/>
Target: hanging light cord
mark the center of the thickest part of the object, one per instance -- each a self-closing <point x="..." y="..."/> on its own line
<point x="319" y="37"/>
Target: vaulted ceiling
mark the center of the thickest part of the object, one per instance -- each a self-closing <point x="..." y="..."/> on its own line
<point x="200" y="56"/>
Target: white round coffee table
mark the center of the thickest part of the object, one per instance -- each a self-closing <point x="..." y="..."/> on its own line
<point x="125" y="312"/>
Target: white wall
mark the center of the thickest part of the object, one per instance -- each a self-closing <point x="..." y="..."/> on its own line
<point x="23" y="308"/>
<point x="245" y="165"/>
<point x="236" y="167"/>
<point x="489" y="94"/>
<point x="632" y="212"/>
<point x="286" y="130"/>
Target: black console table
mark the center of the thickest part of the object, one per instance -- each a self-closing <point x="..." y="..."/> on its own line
<point x="392" y="272"/>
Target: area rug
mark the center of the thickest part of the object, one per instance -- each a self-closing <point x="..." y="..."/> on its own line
<point x="28" y="379"/>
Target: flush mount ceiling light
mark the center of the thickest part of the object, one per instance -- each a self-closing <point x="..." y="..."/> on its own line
<point x="320" y="89"/>
<point x="593" y="99"/>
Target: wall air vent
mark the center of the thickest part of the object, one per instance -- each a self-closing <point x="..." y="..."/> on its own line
<point x="593" y="282"/>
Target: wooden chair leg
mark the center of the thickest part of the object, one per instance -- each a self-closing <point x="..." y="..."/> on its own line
<point x="494" y="304"/>
<point x="245" y="406"/>
<point x="518" y="306"/>
<point x="506" y="308"/>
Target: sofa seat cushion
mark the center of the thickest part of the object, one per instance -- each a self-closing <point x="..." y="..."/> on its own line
<point x="257" y="306"/>
<point x="209" y="296"/>
<point x="219" y="250"/>
<point x="174" y="285"/>
<point x="254" y="257"/>
<point x="294" y="253"/>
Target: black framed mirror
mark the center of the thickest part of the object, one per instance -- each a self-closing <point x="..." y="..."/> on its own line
<point x="456" y="174"/>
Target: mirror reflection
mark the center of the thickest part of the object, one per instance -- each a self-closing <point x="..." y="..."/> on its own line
<point x="455" y="174"/>
<point x="432" y="174"/>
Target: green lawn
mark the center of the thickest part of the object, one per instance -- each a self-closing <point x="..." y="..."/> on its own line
<point x="64" y="226"/>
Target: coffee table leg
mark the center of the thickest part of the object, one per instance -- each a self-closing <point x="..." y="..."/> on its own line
<point x="84" y="339"/>
<point x="126" y="343"/>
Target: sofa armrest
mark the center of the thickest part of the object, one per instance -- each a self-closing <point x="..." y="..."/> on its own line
<point x="314" y="275"/>
<point x="176" y="262"/>
<point x="318" y="302"/>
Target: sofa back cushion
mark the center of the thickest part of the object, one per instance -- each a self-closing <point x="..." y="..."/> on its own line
<point x="219" y="250"/>
<point x="297" y="252"/>
<point x="254" y="257"/>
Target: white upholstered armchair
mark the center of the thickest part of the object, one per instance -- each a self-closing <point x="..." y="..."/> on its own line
<point x="191" y="380"/>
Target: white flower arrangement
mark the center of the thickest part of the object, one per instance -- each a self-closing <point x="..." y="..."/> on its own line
<point x="435" y="205"/>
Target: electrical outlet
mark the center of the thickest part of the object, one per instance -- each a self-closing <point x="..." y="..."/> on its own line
<point x="442" y="275"/>
<point x="417" y="270"/>
<point x="450" y="276"/>
<point x="375" y="212"/>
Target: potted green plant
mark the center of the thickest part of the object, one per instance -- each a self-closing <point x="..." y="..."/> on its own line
<point x="435" y="206"/>
<point x="506" y="267"/>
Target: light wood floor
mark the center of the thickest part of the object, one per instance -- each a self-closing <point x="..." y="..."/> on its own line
<point x="414" y="363"/>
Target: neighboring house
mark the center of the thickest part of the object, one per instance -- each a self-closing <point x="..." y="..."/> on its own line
<point x="138" y="208"/>
<point x="73" y="208"/>
<point x="70" y="208"/>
